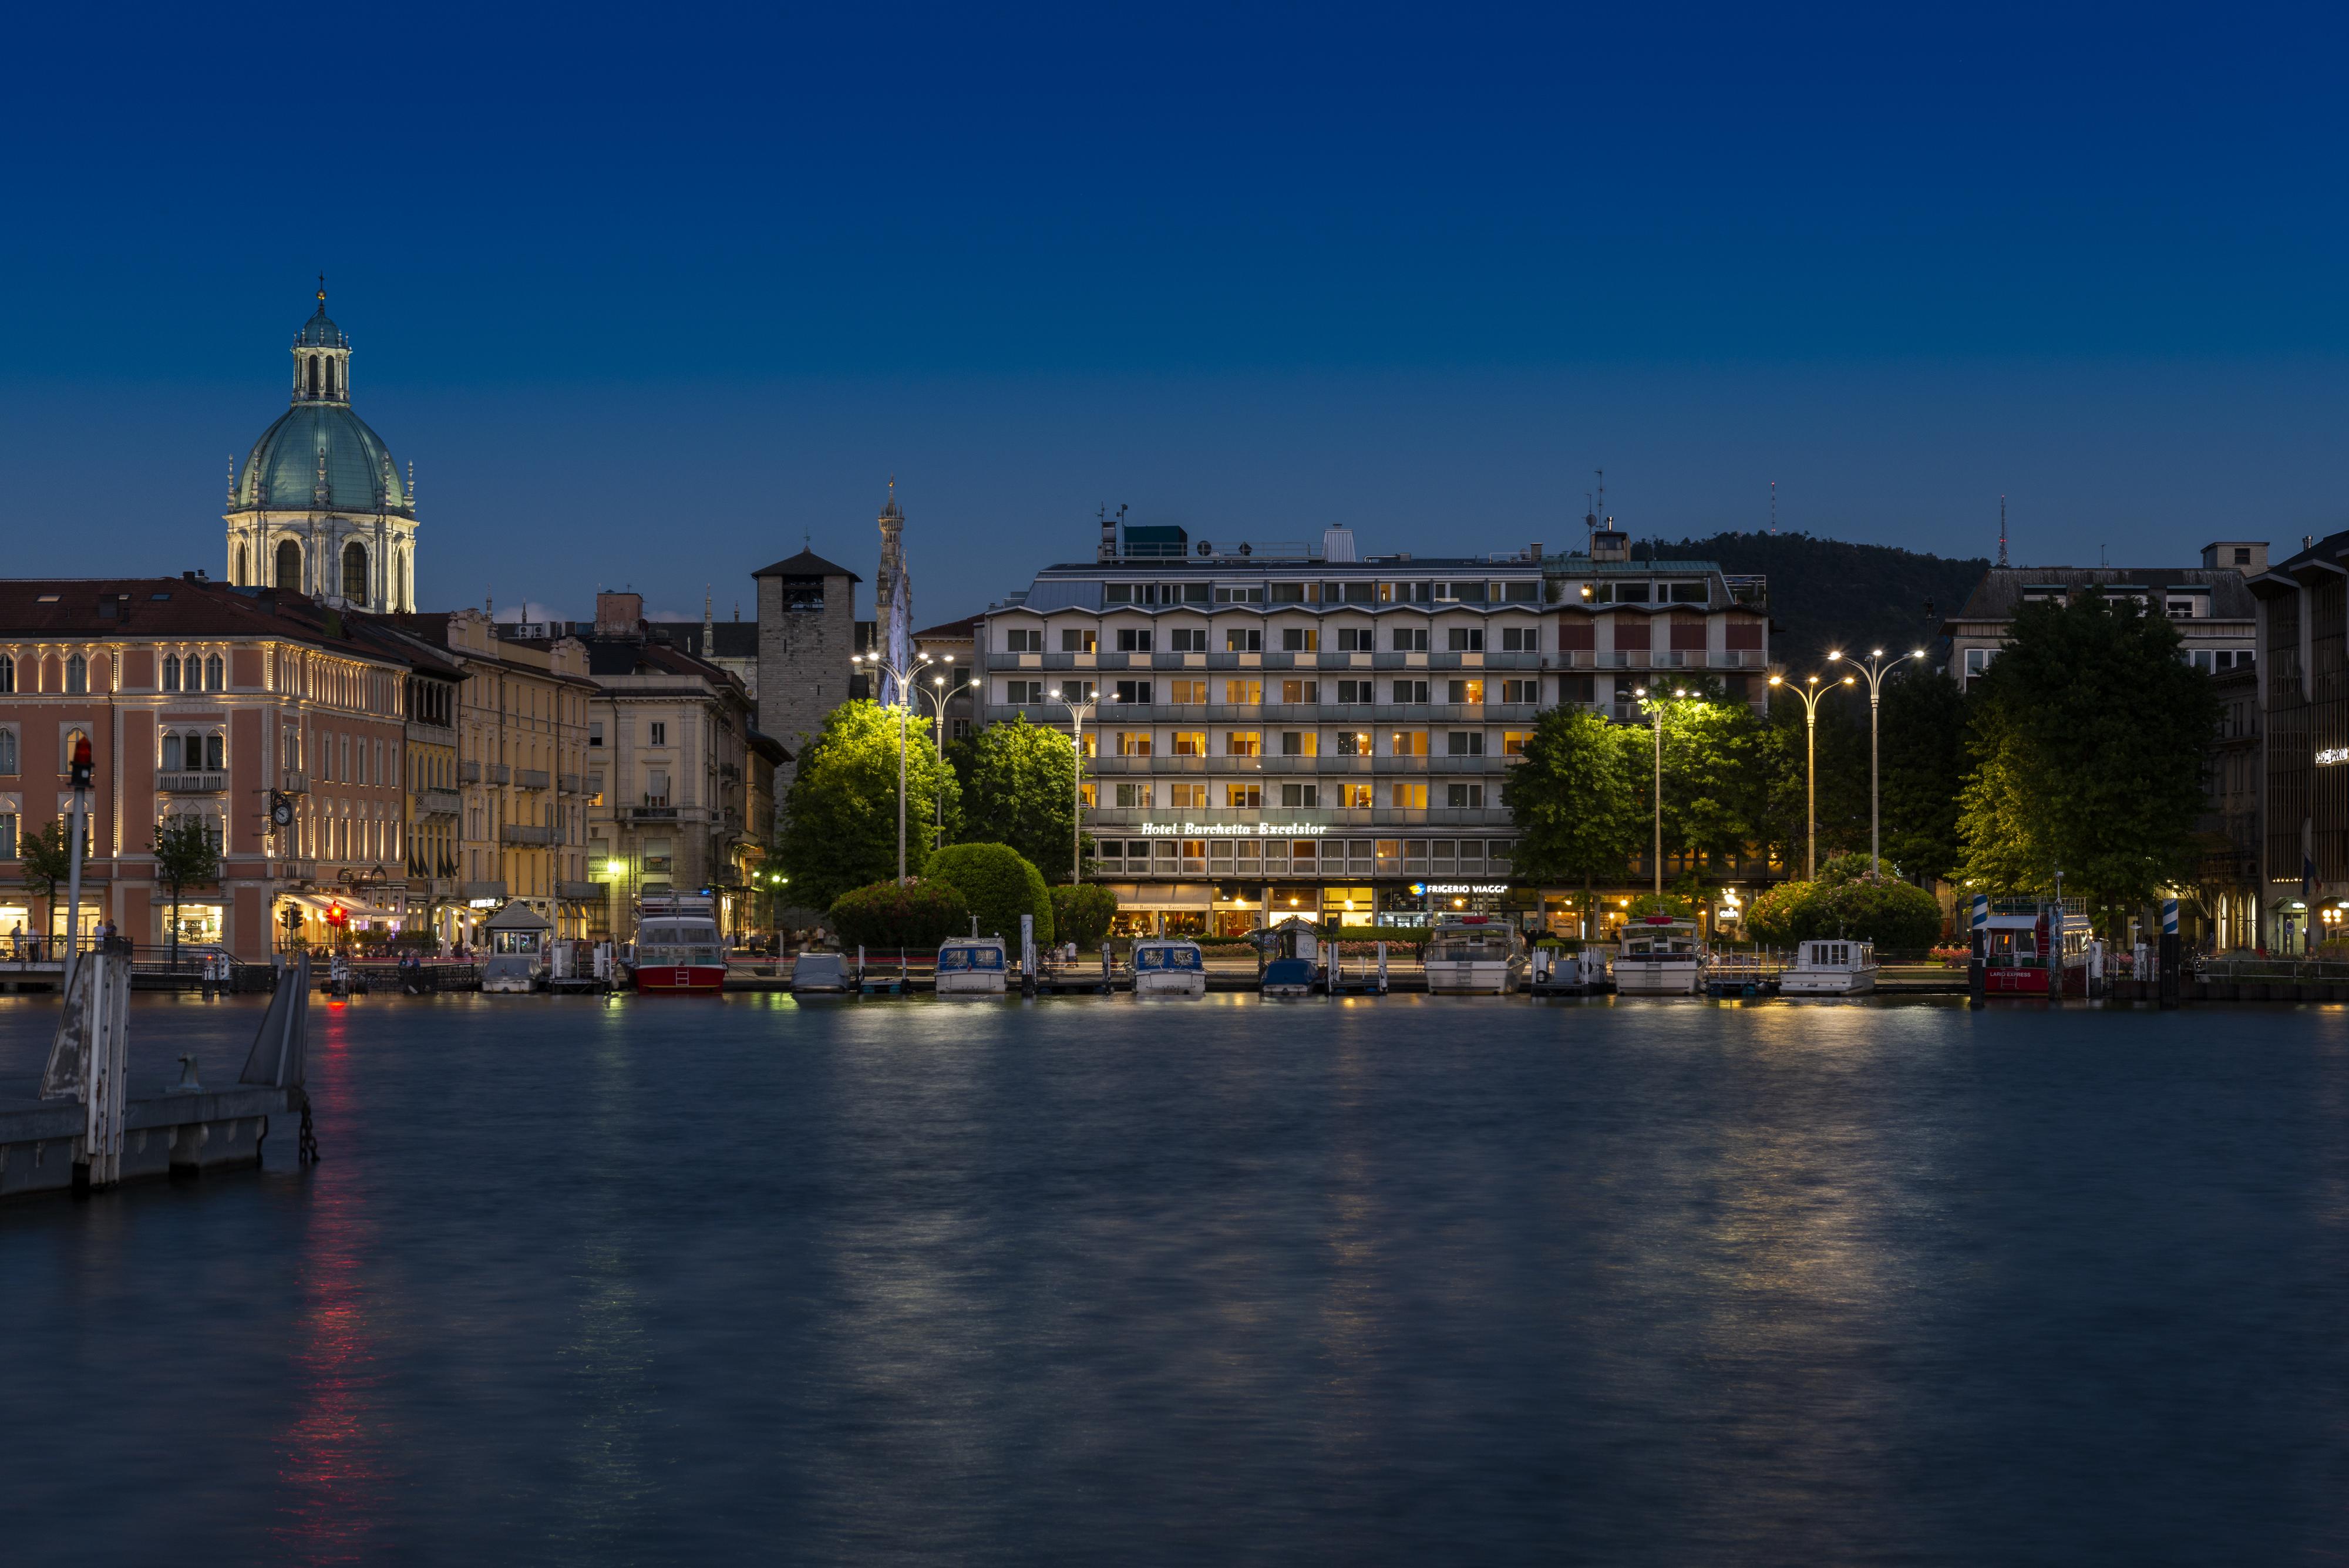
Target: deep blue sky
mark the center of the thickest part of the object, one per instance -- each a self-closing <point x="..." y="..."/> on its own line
<point x="647" y="294"/>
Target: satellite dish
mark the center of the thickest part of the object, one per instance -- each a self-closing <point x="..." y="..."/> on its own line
<point x="1206" y="548"/>
<point x="1247" y="549"/>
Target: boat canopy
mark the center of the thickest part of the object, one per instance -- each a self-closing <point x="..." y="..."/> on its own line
<point x="965" y="954"/>
<point x="1167" y="956"/>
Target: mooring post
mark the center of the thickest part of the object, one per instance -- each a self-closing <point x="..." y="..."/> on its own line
<point x="2170" y="956"/>
<point x="1977" y="978"/>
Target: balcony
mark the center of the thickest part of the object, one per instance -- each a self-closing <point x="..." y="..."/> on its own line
<point x="437" y="801"/>
<point x="469" y="891"/>
<point x="501" y="773"/>
<point x="521" y="832"/>
<point x="650" y="811"/>
<point x="582" y="892"/>
<point x="298" y="870"/>
<point x="531" y="778"/>
<point x="570" y="784"/>
<point x="468" y="773"/>
<point x="292" y="781"/>
<point x="1178" y="764"/>
<point x="192" y="784"/>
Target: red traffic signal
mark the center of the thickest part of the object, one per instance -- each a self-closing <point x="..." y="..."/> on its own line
<point x="77" y="766"/>
<point x="337" y="916"/>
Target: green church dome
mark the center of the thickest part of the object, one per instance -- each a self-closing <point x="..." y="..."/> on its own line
<point x="281" y="472"/>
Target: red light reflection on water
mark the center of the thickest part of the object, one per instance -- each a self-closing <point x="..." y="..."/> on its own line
<point x="330" y="1469"/>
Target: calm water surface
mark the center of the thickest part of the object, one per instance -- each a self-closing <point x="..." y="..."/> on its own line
<point x="601" y="1283"/>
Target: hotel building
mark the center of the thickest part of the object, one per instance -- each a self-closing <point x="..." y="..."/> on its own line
<point x="1277" y="727"/>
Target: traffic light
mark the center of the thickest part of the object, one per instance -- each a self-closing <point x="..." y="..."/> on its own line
<point x="79" y="765"/>
<point x="336" y="916"/>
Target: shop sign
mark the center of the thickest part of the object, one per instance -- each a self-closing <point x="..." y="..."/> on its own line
<point x="1420" y="889"/>
<point x="481" y="904"/>
<point x="2327" y="758"/>
<point x="1259" y="830"/>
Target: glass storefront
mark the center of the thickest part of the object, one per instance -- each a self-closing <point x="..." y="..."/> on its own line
<point x="198" y="924"/>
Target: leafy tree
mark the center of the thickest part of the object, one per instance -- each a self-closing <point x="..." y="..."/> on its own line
<point x="185" y="856"/>
<point x="914" y="914"/>
<point x="1714" y="778"/>
<point x="1083" y="913"/>
<point x="1847" y="901"/>
<point x="2091" y="736"/>
<point x="47" y="855"/>
<point x="1575" y="801"/>
<point x="1019" y="784"/>
<point x="840" y="825"/>
<point x="1923" y="769"/>
<point x="1000" y="885"/>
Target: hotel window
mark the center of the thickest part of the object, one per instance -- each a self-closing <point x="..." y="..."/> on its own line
<point x="7" y="752"/>
<point x="1513" y="741"/>
<point x="1464" y="743"/>
<point x="1467" y="795"/>
<point x="1410" y="639"/>
<point x="1254" y="595"/>
<point x="1301" y="855"/>
<point x="1357" y="639"/>
<point x="7" y="674"/>
<point x="1407" y="796"/>
<point x="1087" y="793"/>
<point x="1390" y="857"/>
<point x="1190" y="743"/>
<point x="1357" y="690"/>
<point x="1018" y="692"/>
<point x="1134" y="797"/>
<point x="1132" y="692"/>
<point x="171" y="672"/>
<point x="1353" y="742"/>
<point x="1497" y="854"/>
<point x="1300" y="743"/>
<point x="1299" y="639"/>
<point x="1134" y="639"/>
<point x="1022" y="640"/>
<point x="1978" y="659"/>
<point x="1187" y="693"/>
<point x="1355" y="797"/>
<point x="596" y="733"/>
<point x="595" y="788"/>
<point x="1465" y="639"/>
<point x="1296" y="691"/>
<point x="1133" y="742"/>
<point x="171" y="752"/>
<point x="1195" y="856"/>
<point x="1243" y="797"/>
<point x="657" y="787"/>
<point x="1410" y="692"/>
<point x="76" y="674"/>
<point x="1523" y="692"/>
<point x="1243" y="639"/>
<point x="658" y="733"/>
<point x="7" y="836"/>
<point x="1188" y="639"/>
<point x="1078" y="691"/>
<point x="1466" y="692"/>
<point x="1242" y="743"/>
<point x="1408" y="743"/>
<point x="1189" y="797"/>
<point x="1521" y="639"/>
<point x="1072" y="640"/>
<point x="1243" y="694"/>
<point x="213" y="672"/>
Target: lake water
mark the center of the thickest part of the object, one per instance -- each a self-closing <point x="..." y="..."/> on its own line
<point x="1084" y="1280"/>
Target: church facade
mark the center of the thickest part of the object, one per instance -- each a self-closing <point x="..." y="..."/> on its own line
<point x="319" y="508"/>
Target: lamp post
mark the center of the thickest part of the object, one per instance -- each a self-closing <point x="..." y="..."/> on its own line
<point x="1079" y="709"/>
<point x="1654" y="704"/>
<point x="939" y="695"/>
<point x="904" y="680"/>
<point x="1876" y="670"/>
<point x="1810" y="692"/>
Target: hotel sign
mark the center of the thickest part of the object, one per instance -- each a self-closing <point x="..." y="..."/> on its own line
<point x="2326" y="759"/>
<point x="1424" y="889"/>
<point x="1257" y="830"/>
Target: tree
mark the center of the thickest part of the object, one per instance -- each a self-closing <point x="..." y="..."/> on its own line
<point x="1714" y="780"/>
<point x="2090" y="740"/>
<point x="1923" y="768"/>
<point x="914" y="914"/>
<point x="1847" y="901"/>
<point x="1000" y="885"/>
<point x="840" y="825"/>
<point x="1574" y="801"/>
<point x="1083" y="913"/>
<point x="185" y="856"/>
<point x="48" y="857"/>
<point x="1019" y="788"/>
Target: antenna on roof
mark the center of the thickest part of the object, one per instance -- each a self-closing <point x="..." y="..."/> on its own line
<point x="2002" y="530"/>
<point x="1773" y="509"/>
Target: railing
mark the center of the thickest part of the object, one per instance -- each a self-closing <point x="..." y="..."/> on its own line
<point x="192" y="784"/>
<point x="500" y="772"/>
<point x="468" y="773"/>
<point x="522" y="833"/>
<point x="292" y="781"/>
<point x="471" y="890"/>
<point x="531" y="778"/>
<point x="649" y="812"/>
<point x="582" y="892"/>
<point x="569" y="783"/>
<point x="298" y="870"/>
<point x="437" y="801"/>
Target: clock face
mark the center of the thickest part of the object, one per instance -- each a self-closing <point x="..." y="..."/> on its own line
<point x="282" y="813"/>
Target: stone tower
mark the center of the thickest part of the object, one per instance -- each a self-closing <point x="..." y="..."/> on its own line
<point x="893" y="594"/>
<point x="320" y="508"/>
<point x="807" y="635"/>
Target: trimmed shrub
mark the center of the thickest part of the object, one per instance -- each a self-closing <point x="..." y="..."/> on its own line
<point x="1082" y="913"/>
<point x="1846" y="901"/>
<point x="920" y="914"/>
<point x="999" y="885"/>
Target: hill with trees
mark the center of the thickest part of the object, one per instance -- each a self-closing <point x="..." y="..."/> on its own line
<point x="1825" y="594"/>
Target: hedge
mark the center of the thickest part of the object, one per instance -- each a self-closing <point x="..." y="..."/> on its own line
<point x="1000" y="885"/>
<point x="921" y="913"/>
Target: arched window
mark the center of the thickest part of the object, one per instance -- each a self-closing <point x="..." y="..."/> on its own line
<point x="240" y="577"/>
<point x="171" y="752"/>
<point x="314" y="375"/>
<point x="355" y="574"/>
<point x="7" y="751"/>
<point x="7" y="674"/>
<point x="214" y="759"/>
<point x="330" y="377"/>
<point x="212" y="672"/>
<point x="74" y="738"/>
<point x="76" y="674"/>
<point x="289" y="566"/>
<point x="171" y="672"/>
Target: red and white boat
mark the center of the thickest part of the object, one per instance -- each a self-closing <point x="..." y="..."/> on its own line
<point x="2017" y="943"/>
<point x="679" y="949"/>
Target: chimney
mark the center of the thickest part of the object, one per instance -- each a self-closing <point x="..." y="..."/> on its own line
<point x="1337" y="543"/>
<point x="617" y="615"/>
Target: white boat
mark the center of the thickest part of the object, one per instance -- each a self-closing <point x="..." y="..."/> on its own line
<point x="1474" y="955"/>
<point x="1835" y="967"/>
<point x="820" y="974"/>
<point x="971" y="966"/>
<point x="1586" y="971"/>
<point x="517" y="960"/>
<point x="1169" y="966"/>
<point x="1660" y="957"/>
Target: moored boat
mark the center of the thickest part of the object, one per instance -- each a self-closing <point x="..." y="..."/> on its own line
<point x="1291" y="977"/>
<point x="970" y="966"/>
<point x="822" y="975"/>
<point x="679" y="949"/>
<point x="1169" y="966"/>
<point x="1660" y="956"/>
<point x="1830" y="967"/>
<point x="517" y="960"/>
<point x="1474" y="955"/>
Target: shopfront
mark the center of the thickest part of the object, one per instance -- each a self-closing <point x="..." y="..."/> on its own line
<point x="198" y="921"/>
<point x="1161" y="910"/>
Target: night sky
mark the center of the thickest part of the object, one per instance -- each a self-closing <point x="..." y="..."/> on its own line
<point x="648" y="295"/>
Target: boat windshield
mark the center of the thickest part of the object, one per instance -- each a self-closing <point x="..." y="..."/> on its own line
<point x="1183" y="957"/>
<point x="984" y="959"/>
<point x="1659" y="946"/>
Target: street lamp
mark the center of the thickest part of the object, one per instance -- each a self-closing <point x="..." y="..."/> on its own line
<point x="1876" y="671"/>
<point x="1079" y="709"/>
<point x="1810" y="693"/>
<point x="939" y="695"/>
<point x="1656" y="723"/>
<point x="904" y="679"/>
